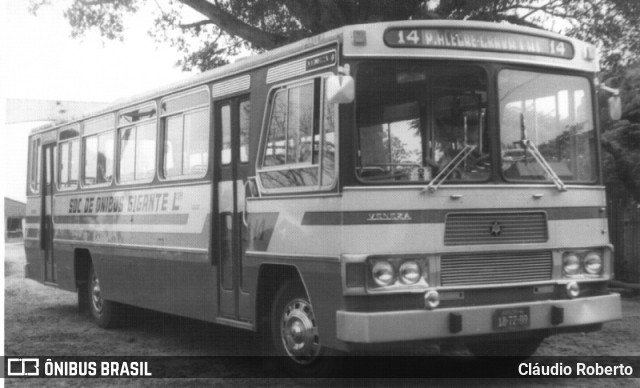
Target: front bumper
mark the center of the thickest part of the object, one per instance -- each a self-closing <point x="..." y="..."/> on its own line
<point x="395" y="326"/>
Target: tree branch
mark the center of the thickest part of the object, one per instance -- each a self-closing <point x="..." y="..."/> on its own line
<point x="234" y="26"/>
<point x="196" y="24"/>
<point x="98" y="2"/>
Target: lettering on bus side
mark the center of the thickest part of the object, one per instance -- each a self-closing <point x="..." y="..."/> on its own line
<point x="127" y="203"/>
<point x="388" y="216"/>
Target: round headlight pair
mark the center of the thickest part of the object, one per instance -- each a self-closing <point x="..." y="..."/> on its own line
<point x="384" y="274"/>
<point x="591" y="264"/>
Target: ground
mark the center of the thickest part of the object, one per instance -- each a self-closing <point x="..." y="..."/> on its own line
<point x="43" y="321"/>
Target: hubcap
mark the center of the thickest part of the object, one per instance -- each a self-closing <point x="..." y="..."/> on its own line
<point x="96" y="298"/>
<point x="299" y="332"/>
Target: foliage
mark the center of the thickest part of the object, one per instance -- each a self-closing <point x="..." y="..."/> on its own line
<point x="622" y="156"/>
<point x="227" y="26"/>
<point x="621" y="139"/>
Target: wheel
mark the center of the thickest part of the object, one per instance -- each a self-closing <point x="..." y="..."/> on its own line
<point x="295" y="335"/>
<point x="104" y="312"/>
<point x="519" y="347"/>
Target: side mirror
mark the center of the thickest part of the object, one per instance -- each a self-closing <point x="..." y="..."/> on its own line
<point x="340" y="89"/>
<point x="615" y="107"/>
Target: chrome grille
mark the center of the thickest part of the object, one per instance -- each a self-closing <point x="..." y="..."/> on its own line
<point x="495" y="268"/>
<point x="495" y="228"/>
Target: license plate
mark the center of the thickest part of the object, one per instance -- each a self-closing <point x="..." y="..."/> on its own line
<point x="511" y="319"/>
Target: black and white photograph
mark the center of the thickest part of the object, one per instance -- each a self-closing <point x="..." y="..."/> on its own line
<point x="339" y="193"/>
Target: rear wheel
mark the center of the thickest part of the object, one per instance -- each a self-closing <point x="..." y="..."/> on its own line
<point x="518" y="347"/>
<point x="104" y="312"/>
<point x="295" y="334"/>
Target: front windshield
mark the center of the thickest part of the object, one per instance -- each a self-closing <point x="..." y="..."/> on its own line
<point x="554" y="112"/>
<point x="414" y="119"/>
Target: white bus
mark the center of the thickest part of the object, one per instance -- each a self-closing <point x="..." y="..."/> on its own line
<point x="375" y="186"/>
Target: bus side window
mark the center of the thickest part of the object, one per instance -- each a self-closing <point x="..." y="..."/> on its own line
<point x="186" y="144"/>
<point x="69" y="164"/>
<point x="137" y="145"/>
<point x="98" y="158"/>
<point x="299" y="137"/>
<point x="98" y="151"/>
<point x="185" y="132"/>
<point x="245" y="116"/>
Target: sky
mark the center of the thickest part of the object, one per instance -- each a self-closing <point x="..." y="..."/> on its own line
<point x="39" y="60"/>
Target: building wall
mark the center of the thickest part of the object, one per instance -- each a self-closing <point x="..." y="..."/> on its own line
<point x="14" y="212"/>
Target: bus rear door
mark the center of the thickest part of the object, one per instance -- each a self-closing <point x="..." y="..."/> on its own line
<point x="46" y="212"/>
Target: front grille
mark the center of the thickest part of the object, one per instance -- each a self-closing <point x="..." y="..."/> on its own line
<point x="495" y="228"/>
<point x="495" y="268"/>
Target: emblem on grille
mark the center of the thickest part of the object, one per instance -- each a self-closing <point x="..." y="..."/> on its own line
<point x="496" y="229"/>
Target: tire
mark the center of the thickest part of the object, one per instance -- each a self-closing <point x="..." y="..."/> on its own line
<point x="520" y="348"/>
<point x="103" y="312"/>
<point x="295" y="336"/>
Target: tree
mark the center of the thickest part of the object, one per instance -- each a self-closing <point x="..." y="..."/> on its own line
<point x="228" y="25"/>
<point x="621" y="139"/>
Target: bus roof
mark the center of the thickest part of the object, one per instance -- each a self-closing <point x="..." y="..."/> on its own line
<point x="454" y="39"/>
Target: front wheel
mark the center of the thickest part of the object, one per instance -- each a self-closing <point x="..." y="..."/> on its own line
<point x="518" y="348"/>
<point x="104" y="312"/>
<point x="295" y="334"/>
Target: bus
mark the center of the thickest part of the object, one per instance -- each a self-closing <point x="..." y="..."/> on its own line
<point x="376" y="186"/>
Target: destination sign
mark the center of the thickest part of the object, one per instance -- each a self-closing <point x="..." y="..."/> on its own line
<point x="320" y="61"/>
<point x="481" y="40"/>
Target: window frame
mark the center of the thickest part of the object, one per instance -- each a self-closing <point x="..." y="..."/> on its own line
<point x="58" y="158"/>
<point x="35" y="161"/>
<point x="164" y="117"/>
<point x="118" y="150"/>
<point x="264" y="138"/>
<point x="597" y="166"/>
<point x="97" y="133"/>
<point x="431" y="132"/>
<point x="248" y="138"/>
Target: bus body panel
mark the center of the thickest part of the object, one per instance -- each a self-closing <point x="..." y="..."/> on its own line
<point x="159" y="244"/>
<point x="177" y="283"/>
<point x="151" y="244"/>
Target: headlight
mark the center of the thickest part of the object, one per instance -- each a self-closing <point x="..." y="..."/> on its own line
<point x="410" y="272"/>
<point x="382" y="272"/>
<point x="570" y="263"/>
<point x="592" y="263"/>
<point x="398" y="274"/>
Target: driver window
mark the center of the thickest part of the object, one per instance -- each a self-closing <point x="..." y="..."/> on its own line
<point x="419" y="121"/>
<point x="395" y="145"/>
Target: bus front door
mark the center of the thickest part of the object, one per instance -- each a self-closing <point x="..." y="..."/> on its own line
<point x="232" y="126"/>
<point x="46" y="211"/>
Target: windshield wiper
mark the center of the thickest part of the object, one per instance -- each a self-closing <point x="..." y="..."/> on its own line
<point x="449" y="168"/>
<point x="527" y="144"/>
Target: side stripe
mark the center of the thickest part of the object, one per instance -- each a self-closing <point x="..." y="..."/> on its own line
<point x="435" y="216"/>
<point x="128" y="219"/>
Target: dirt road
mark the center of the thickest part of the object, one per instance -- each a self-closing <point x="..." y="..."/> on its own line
<point x="43" y="321"/>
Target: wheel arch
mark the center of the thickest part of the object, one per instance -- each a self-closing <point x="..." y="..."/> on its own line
<point x="271" y="276"/>
<point x="82" y="261"/>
